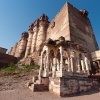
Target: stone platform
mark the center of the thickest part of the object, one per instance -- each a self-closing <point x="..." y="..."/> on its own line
<point x="64" y="86"/>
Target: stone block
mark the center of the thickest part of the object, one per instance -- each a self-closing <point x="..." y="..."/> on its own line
<point x="71" y="86"/>
<point x="45" y="80"/>
<point x="38" y="87"/>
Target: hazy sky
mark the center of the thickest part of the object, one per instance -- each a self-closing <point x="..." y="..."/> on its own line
<point x="17" y="15"/>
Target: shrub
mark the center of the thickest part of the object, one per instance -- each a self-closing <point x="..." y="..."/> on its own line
<point x="9" y="68"/>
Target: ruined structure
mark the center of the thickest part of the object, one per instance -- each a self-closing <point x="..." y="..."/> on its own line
<point x="6" y="59"/>
<point x="3" y="50"/>
<point x="63" y="49"/>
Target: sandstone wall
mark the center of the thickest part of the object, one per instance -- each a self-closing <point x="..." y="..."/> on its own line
<point x="72" y="86"/>
<point x="60" y="25"/>
<point x="81" y="30"/>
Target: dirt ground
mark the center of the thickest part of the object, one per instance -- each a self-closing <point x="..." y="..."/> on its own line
<point x="13" y="87"/>
<point x="26" y="94"/>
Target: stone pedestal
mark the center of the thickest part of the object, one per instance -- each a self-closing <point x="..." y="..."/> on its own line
<point x="64" y="86"/>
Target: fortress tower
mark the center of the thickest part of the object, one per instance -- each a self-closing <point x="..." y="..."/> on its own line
<point x="71" y="23"/>
<point x="75" y="26"/>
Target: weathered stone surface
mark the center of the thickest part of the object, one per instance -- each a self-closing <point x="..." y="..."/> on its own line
<point x="72" y="86"/>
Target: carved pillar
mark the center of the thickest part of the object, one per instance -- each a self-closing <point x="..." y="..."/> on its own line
<point x="78" y="63"/>
<point x="72" y="61"/>
<point x="47" y="62"/>
<point x="87" y="64"/>
<point x="46" y="69"/>
<point x="28" y="48"/>
<point x="55" y="65"/>
<point x="44" y="62"/>
<point x="34" y="38"/>
<point x="61" y="58"/>
<point x="83" y="63"/>
<point x="55" y="61"/>
<point x="41" y="65"/>
<point x="69" y="62"/>
<point x="43" y="24"/>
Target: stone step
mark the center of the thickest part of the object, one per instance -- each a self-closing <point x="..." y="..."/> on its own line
<point x="38" y="87"/>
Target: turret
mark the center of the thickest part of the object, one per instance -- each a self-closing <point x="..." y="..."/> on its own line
<point x="41" y="37"/>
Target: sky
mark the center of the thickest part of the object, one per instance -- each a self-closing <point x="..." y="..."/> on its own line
<point x="17" y="15"/>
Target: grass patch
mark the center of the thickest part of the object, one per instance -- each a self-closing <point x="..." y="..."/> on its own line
<point x="30" y="67"/>
<point x="13" y="69"/>
<point x="9" y="68"/>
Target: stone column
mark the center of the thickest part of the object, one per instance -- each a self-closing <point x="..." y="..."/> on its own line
<point x="54" y="65"/>
<point x="41" y="37"/>
<point x="34" y="38"/>
<point x="87" y="64"/>
<point x="46" y="69"/>
<point x="72" y="56"/>
<point x="44" y="61"/>
<point x="69" y="62"/>
<point x="78" y="63"/>
<point x="41" y="65"/>
<point x="28" y="48"/>
<point x="83" y="63"/>
<point x="55" y="61"/>
<point x="61" y="58"/>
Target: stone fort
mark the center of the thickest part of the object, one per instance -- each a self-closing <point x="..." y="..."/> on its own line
<point x="72" y="24"/>
<point x="64" y="49"/>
